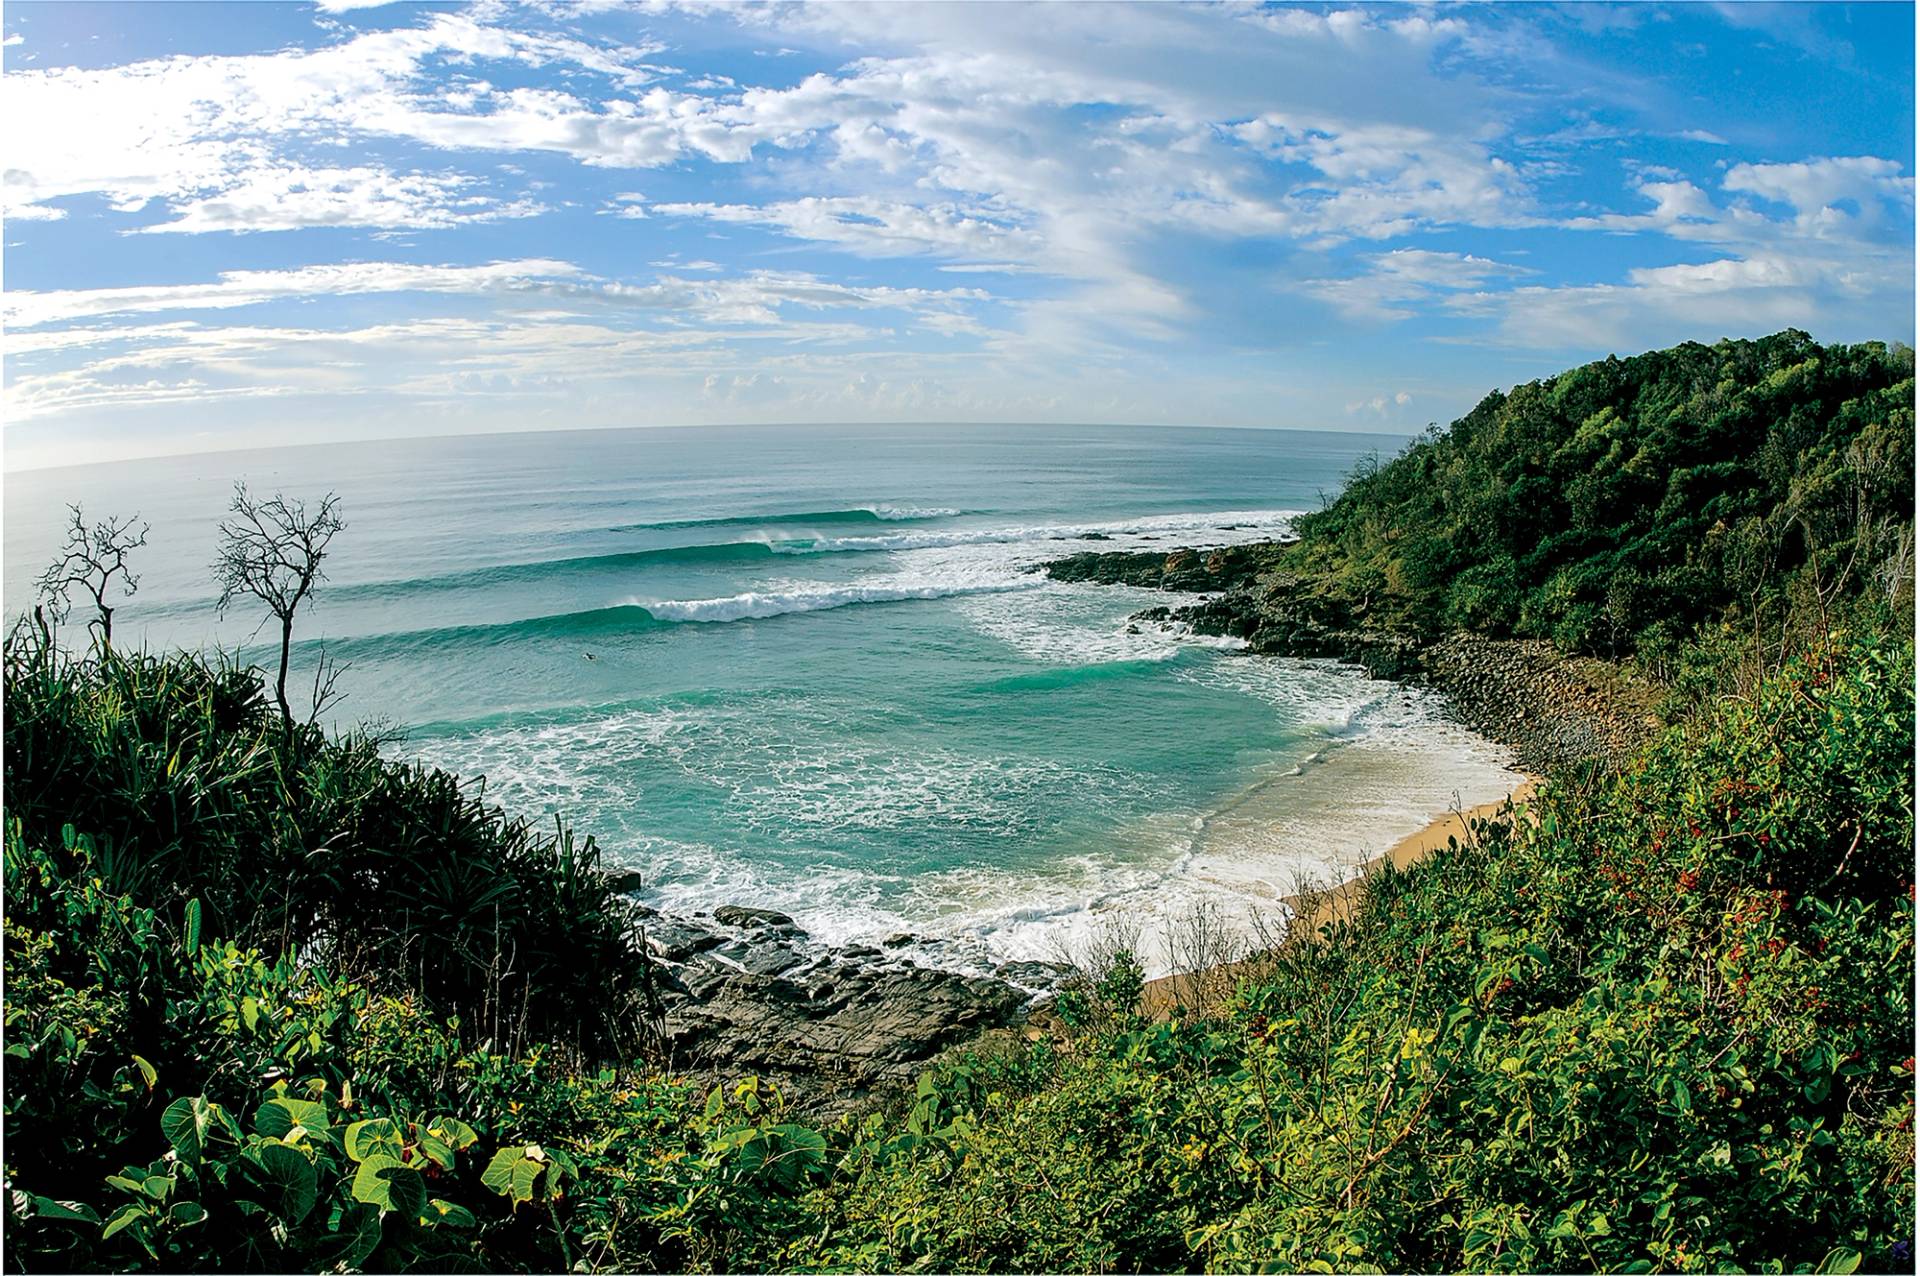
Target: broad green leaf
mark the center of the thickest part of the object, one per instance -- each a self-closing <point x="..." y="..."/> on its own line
<point x="276" y="1118"/>
<point x="148" y="1072"/>
<point x="448" y="1214"/>
<point x="499" y="1172"/>
<point x="289" y="1178"/>
<point x="123" y="1218"/>
<point x="65" y="1211"/>
<point x="810" y="1144"/>
<point x="385" y="1182"/>
<point x="377" y="1137"/>
<point x="358" y="1226"/>
<point x="457" y="1134"/>
<point x="433" y="1149"/>
<point x="193" y="927"/>
<point x="526" y="1179"/>
<point x="187" y="1213"/>
<point x="186" y="1123"/>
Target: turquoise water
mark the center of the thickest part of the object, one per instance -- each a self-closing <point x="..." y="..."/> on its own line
<point x="806" y="667"/>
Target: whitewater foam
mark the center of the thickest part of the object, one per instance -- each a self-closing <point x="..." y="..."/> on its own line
<point x="758" y="605"/>
<point x="1223" y="528"/>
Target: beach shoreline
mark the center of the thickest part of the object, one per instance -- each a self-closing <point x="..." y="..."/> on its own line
<point x="1312" y="910"/>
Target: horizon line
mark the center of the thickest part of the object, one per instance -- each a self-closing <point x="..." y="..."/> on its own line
<point x="8" y="470"/>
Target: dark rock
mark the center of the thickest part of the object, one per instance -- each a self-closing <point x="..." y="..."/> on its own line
<point x="899" y="939"/>
<point x="1042" y="976"/>
<point x="760" y="957"/>
<point x="828" y="1026"/>
<point x="1185" y="570"/>
<point x="734" y="915"/>
<point x="677" y="940"/>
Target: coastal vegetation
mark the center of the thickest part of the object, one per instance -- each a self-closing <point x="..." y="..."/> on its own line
<point x="1702" y="510"/>
<point x="276" y="1002"/>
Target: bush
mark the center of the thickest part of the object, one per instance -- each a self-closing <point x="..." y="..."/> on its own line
<point x="187" y="786"/>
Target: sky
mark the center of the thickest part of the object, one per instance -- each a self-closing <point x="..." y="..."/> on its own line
<point x="239" y="225"/>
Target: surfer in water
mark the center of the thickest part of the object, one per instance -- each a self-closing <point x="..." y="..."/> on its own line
<point x="591" y="656"/>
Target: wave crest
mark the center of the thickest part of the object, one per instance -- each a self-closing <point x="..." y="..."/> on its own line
<point x="756" y="605"/>
<point x="854" y="514"/>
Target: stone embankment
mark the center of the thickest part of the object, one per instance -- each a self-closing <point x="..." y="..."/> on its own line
<point x="746" y="991"/>
<point x="1554" y="711"/>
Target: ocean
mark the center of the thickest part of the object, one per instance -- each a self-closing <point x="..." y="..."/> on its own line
<point x="807" y="668"/>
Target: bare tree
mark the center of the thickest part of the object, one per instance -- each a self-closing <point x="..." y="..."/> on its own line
<point x="92" y="557"/>
<point x="272" y="550"/>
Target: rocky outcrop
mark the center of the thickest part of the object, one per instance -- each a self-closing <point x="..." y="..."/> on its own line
<point x="747" y="992"/>
<point x="1554" y="711"/>
<point x="1184" y="570"/>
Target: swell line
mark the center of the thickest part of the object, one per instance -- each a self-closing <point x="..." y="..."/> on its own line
<point x="857" y="514"/>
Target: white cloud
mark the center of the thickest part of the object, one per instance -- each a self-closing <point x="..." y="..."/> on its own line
<point x="1380" y="405"/>
<point x="875" y="227"/>
<point x="1818" y="190"/>
<point x="196" y="130"/>
<point x="35" y="213"/>
<point x="1838" y="258"/>
<point x="1732" y="296"/>
<point x="284" y="197"/>
<point x="26" y="309"/>
<point x="1398" y="281"/>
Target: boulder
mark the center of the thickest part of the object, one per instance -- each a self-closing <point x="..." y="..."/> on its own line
<point x="750" y="918"/>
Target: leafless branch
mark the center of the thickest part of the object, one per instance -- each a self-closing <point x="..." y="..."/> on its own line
<point x="90" y="560"/>
<point x="272" y="550"/>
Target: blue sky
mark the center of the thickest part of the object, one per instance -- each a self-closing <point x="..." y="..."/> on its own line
<point x="234" y="225"/>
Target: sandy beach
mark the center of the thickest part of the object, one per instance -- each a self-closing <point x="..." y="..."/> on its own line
<point x="1162" y="994"/>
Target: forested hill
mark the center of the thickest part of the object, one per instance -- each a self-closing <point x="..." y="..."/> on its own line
<point x="1620" y="506"/>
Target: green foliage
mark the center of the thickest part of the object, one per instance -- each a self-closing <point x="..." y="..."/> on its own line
<point x="194" y="797"/>
<point x="1619" y="507"/>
